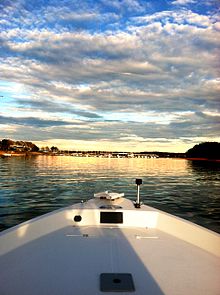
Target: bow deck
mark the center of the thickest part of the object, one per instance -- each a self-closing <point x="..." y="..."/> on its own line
<point x="109" y="246"/>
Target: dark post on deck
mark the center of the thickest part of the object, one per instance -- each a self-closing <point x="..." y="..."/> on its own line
<point x="138" y="203"/>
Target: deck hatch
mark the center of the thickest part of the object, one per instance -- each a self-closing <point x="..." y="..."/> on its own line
<point x="116" y="282"/>
<point x="111" y="217"/>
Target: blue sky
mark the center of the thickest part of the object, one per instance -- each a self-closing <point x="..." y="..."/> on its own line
<point x="110" y="75"/>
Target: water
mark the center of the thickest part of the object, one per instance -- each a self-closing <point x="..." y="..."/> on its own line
<point x="33" y="186"/>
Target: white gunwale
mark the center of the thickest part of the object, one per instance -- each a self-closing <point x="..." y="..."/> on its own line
<point x="53" y="254"/>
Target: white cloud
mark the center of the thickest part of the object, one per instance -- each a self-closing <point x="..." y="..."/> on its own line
<point x="142" y="78"/>
<point x="183" y="2"/>
<point x="217" y="26"/>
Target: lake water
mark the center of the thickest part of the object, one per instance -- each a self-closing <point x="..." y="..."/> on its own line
<point x="33" y="186"/>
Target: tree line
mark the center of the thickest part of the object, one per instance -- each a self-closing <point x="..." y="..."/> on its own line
<point x="207" y="150"/>
<point x="11" y="145"/>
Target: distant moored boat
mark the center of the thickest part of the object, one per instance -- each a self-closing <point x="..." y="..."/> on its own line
<point x="5" y="155"/>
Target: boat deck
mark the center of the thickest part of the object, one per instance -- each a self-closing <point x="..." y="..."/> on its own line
<point x="71" y="260"/>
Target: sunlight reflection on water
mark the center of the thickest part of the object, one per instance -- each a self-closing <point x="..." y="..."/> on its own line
<point x="35" y="185"/>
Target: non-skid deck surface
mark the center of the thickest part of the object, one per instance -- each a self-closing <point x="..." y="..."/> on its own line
<point x="71" y="261"/>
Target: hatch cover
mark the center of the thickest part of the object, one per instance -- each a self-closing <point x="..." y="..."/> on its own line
<point x="116" y="282"/>
<point x="111" y="217"/>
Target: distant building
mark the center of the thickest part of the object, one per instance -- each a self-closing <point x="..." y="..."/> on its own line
<point x="19" y="148"/>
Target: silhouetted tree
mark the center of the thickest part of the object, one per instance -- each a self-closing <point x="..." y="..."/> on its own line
<point x="209" y="150"/>
<point x="35" y="148"/>
<point x="5" y="144"/>
<point x="54" y="149"/>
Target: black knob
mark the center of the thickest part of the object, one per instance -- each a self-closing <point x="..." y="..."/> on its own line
<point x="138" y="181"/>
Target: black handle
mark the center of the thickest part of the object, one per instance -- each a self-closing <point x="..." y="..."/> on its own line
<point x="138" y="181"/>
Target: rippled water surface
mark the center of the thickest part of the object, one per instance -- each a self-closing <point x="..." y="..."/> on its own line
<point x="32" y="186"/>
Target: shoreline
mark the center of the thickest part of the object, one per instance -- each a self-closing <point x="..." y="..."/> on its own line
<point x="203" y="159"/>
<point x="19" y="154"/>
<point x="27" y="154"/>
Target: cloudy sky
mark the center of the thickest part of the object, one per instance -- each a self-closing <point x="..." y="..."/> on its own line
<point x="126" y="75"/>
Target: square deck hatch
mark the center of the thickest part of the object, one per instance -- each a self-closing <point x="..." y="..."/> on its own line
<point x="111" y="217"/>
<point x="116" y="282"/>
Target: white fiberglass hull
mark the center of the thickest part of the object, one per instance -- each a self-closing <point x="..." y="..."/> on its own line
<point x="76" y="250"/>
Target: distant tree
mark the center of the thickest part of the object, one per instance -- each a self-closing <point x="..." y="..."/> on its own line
<point x="35" y="148"/>
<point x="54" y="149"/>
<point x="5" y="144"/>
<point x="209" y="150"/>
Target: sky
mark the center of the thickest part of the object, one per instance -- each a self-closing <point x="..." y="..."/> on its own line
<point x="128" y="75"/>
